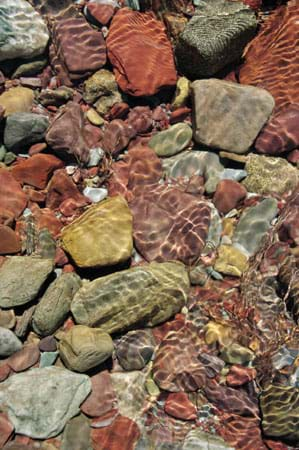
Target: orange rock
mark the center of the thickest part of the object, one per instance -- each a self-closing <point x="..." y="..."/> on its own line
<point x="12" y="198"/>
<point x="36" y="170"/>
<point x="9" y="241"/>
<point x="179" y="406"/>
<point x="61" y="187"/>
<point x="122" y="430"/>
<point x="228" y="194"/>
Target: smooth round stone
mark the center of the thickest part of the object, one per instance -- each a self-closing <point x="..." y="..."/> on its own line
<point x="94" y="117"/>
<point x="16" y="100"/>
<point x="171" y="141"/>
<point x="9" y="343"/>
<point x="95" y="195"/>
<point x="182" y="93"/>
<point x="48" y="344"/>
<point x="83" y="348"/>
<point x="7" y="318"/>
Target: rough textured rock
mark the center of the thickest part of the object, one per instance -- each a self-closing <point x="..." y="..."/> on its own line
<point x="100" y="84"/>
<point x="16" y="100"/>
<point x="83" y="348"/>
<point x="102" y="236"/>
<point x="23" y="32"/>
<point x="36" y="170"/>
<point x="214" y="37"/>
<point x="40" y="402"/>
<point x="171" y="141"/>
<point x="122" y="430"/>
<point x="142" y="295"/>
<point x="24" y="129"/>
<point x="227" y="115"/>
<point x="21" y="278"/>
<point x="102" y="398"/>
<point x="227" y="195"/>
<point x="76" y="434"/>
<point x="230" y="261"/>
<point x="13" y="199"/>
<point x="135" y="349"/>
<point x="9" y="241"/>
<point x="146" y="65"/>
<point x="9" y="343"/>
<point x="55" y="304"/>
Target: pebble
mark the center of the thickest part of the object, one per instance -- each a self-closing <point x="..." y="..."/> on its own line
<point x="95" y="195"/>
<point x="17" y="100"/>
<point x="9" y="343"/>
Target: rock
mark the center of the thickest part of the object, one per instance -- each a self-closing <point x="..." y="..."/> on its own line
<point x="27" y="357"/>
<point x="9" y="241"/>
<point x="101" y="83"/>
<point x="197" y="439"/>
<point x="147" y="295"/>
<point x="182" y="93"/>
<point x="239" y="375"/>
<point x="62" y="189"/>
<point x="83" y="348"/>
<point x="228" y="194"/>
<point x="24" y="321"/>
<point x="279" y="406"/>
<point x="21" y="278"/>
<point x="23" y="129"/>
<point x="102" y="236"/>
<point x="135" y="349"/>
<point x="253" y="226"/>
<point x="76" y="434"/>
<point x="40" y="402"/>
<point x="17" y="100"/>
<point x="231" y="261"/>
<point x="94" y="118"/>
<point x="47" y="359"/>
<point x="104" y="104"/>
<point x="122" y="430"/>
<point x="54" y="305"/>
<point x="6" y="429"/>
<point x="102" y="398"/>
<point x="48" y="344"/>
<point x="179" y="406"/>
<point x="23" y="32"/>
<point x="117" y="136"/>
<point x="214" y="37"/>
<point x="228" y="115"/>
<point x="100" y="13"/>
<point x="149" y="53"/>
<point x="268" y="175"/>
<point x="9" y="343"/>
<point x="33" y="67"/>
<point x="7" y="318"/>
<point x="95" y="195"/>
<point x="171" y="141"/>
<point x="56" y="97"/>
<point x="236" y="354"/>
<point x="36" y="170"/>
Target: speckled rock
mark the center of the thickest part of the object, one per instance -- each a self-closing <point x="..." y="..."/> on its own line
<point x="23" y="32"/>
<point x="228" y="115"/>
<point x="267" y="174"/>
<point x="83" y="348"/>
<point x="230" y="261"/>
<point x="171" y="141"/>
<point x="102" y="236"/>
<point x="236" y="354"/>
<point x="40" y="402"/>
<point x="16" y="100"/>
<point x="76" y="434"/>
<point x="21" y="278"/>
<point x="144" y="295"/>
<point x="24" y="129"/>
<point x="9" y="343"/>
<point x="55" y="304"/>
<point x="135" y="349"/>
<point x="101" y="83"/>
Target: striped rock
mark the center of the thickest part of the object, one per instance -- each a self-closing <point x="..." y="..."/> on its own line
<point x="242" y="432"/>
<point x="143" y="295"/>
<point x="135" y="349"/>
<point x="122" y="430"/>
<point x="140" y="53"/>
<point x="102" y="236"/>
<point x="169" y="224"/>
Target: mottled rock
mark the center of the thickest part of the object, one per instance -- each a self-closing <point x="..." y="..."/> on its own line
<point x="21" y="278"/>
<point x="40" y="402"/>
<point x="9" y="343"/>
<point x="9" y="241"/>
<point x="230" y="261"/>
<point x="102" y="236"/>
<point x="227" y="195"/>
<point x="83" y="348"/>
<point x="130" y="392"/>
<point x="146" y="65"/>
<point x="237" y="354"/>
<point x="16" y="100"/>
<point x="23" y="32"/>
<point x="179" y="406"/>
<point x="214" y="37"/>
<point x="101" y="83"/>
<point x="171" y="141"/>
<point x="145" y="295"/>
<point x="24" y="358"/>
<point x="135" y="349"/>
<point x="54" y="305"/>
<point x="36" y="170"/>
<point x="122" y="430"/>
<point x="23" y="129"/>
<point x="76" y="434"/>
<point x="228" y="115"/>
<point x="102" y="397"/>
<point x="199" y="440"/>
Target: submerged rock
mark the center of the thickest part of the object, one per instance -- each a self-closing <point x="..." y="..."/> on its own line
<point x="171" y="141"/>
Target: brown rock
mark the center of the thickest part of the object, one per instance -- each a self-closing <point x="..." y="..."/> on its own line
<point x="24" y="358"/>
<point x="100" y="13"/>
<point x="36" y="170"/>
<point x="102" y="398"/>
<point x="61" y="188"/>
<point x="17" y="99"/>
<point x="179" y="406"/>
<point x="9" y="241"/>
<point x="117" y="136"/>
<point x="122" y="430"/>
<point x="6" y="429"/>
<point x="12" y="199"/>
<point x="228" y="194"/>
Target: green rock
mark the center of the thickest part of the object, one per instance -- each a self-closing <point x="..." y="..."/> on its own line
<point x="141" y="296"/>
<point x="171" y="141"/>
<point x="47" y="359"/>
<point x="56" y="97"/>
<point x="230" y="261"/>
<point x="2" y="152"/>
<point x="101" y="83"/>
<point x="182" y="93"/>
<point x="76" y="435"/>
<point x="9" y="158"/>
<point x="24" y="129"/>
<point x="236" y="354"/>
<point x="30" y="68"/>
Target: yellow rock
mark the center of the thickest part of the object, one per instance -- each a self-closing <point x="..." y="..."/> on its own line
<point x="230" y="261"/>
<point x="17" y="99"/>
<point x="102" y="236"/>
<point x="217" y="333"/>
<point x="228" y="226"/>
<point x="94" y="117"/>
<point x="181" y="93"/>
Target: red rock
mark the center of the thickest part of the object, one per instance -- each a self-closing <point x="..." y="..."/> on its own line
<point x="69" y="206"/>
<point x="274" y="445"/>
<point x="293" y="157"/>
<point x="119" y="111"/>
<point x="34" y="196"/>
<point x="254" y="4"/>
<point x="92" y="135"/>
<point x="101" y="13"/>
<point x="61" y="258"/>
<point x="12" y="199"/>
<point x="122" y="434"/>
<point x="105" y="420"/>
<point x="179" y="115"/>
<point x="178" y="405"/>
<point x="4" y="371"/>
<point x="228" y="194"/>
<point x="140" y="119"/>
<point x="290" y="226"/>
<point x="102" y="398"/>
<point x="140" y="53"/>
<point x="239" y="375"/>
<point x="117" y="136"/>
<point x="241" y="432"/>
<point x="37" y="148"/>
<point x="24" y="358"/>
<point x="36" y="170"/>
<point x="9" y="241"/>
<point x="6" y="429"/>
<point x="61" y="188"/>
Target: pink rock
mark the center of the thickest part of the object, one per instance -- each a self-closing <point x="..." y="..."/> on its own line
<point x="102" y="398"/>
<point x="122" y="430"/>
<point x="117" y="136"/>
<point x="24" y="358"/>
<point x="61" y="188"/>
<point x="293" y="157"/>
<point x="178" y="405"/>
<point x="140" y="119"/>
<point x="9" y="241"/>
<point x="239" y="375"/>
<point x="101" y="13"/>
<point x="4" y="371"/>
<point x="6" y="429"/>
<point x="36" y="170"/>
<point x="12" y="199"/>
<point x="228" y="194"/>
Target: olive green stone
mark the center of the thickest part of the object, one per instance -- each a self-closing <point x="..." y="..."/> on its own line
<point x="236" y="354"/>
<point x="182" y="93"/>
<point x="171" y="141"/>
<point x="230" y="261"/>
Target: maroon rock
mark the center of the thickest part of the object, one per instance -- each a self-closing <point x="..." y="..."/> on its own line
<point x="228" y="194"/>
<point x="13" y="200"/>
<point x="102" y="14"/>
<point x="102" y="398"/>
<point x="6" y="429"/>
<point x="117" y="136"/>
<point x="24" y="358"/>
<point x="179" y="115"/>
<point x="179" y="406"/>
<point x="122" y="430"/>
<point x="48" y="344"/>
<point x="140" y="119"/>
<point x="290" y="227"/>
<point x="61" y="188"/>
<point x="119" y="111"/>
<point x="9" y="241"/>
<point x="36" y="170"/>
<point x="293" y="157"/>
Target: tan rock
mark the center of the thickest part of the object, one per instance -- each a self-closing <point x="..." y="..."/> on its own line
<point x="230" y="261"/>
<point x="17" y="99"/>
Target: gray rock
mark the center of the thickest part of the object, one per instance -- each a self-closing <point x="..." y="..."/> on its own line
<point x="21" y="278"/>
<point x="55" y="304"/>
<point x="40" y="402"/>
<point x="47" y="359"/>
<point x="214" y="37"/>
<point x="24" y="129"/>
<point x="76" y="435"/>
<point x="23" y="33"/>
<point x="227" y="115"/>
<point x="9" y="343"/>
<point x="95" y="195"/>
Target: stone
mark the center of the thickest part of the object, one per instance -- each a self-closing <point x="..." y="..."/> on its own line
<point x="145" y="295"/>
<point x="23" y="31"/>
<point x="117" y="136"/>
<point x="95" y="195"/>
<point x="16" y="100"/>
<point x="179" y="406"/>
<point x="21" y="278"/>
<point x="6" y="429"/>
<point x="227" y="195"/>
<point x="215" y="36"/>
<point x="130" y="392"/>
<point x="54" y="306"/>
<point x="76" y="434"/>
<point x="9" y="343"/>
<point x="40" y="402"/>
<point x="36" y="170"/>
<point x="100" y="13"/>
<point x="23" y="129"/>
<point x="231" y="261"/>
<point x="197" y="439"/>
<point x="182" y="93"/>
<point x="48" y="344"/>
<point x="171" y="141"/>
<point x="56" y="97"/>
<point x="9" y="241"/>
<point x="27" y="357"/>
<point x="104" y="104"/>
<point x="83" y="348"/>
<point x="7" y="318"/>
<point x="135" y="349"/>
<point x="102" y="236"/>
<point x="33" y="67"/>
<point x="62" y="189"/>
<point x="102" y="398"/>
<point x="236" y="354"/>
<point x="94" y="118"/>
<point x="227" y="115"/>
<point x="122" y="430"/>
<point x="239" y="375"/>
<point x="267" y="174"/>
<point x="149" y="53"/>
<point x="13" y="199"/>
<point x="47" y="359"/>
<point x="101" y="83"/>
